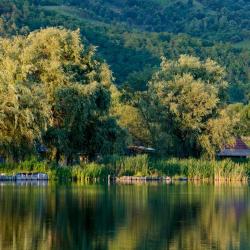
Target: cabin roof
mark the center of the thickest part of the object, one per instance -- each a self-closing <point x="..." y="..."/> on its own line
<point x="235" y="152"/>
<point x="238" y="149"/>
<point x="238" y="145"/>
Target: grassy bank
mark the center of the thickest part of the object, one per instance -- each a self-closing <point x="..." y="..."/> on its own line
<point x="140" y="165"/>
<point x="176" y="168"/>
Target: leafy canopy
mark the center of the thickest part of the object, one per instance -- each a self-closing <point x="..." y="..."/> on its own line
<point x="187" y="98"/>
<point x="52" y="88"/>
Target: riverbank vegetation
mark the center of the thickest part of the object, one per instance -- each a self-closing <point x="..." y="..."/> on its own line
<point x="60" y="102"/>
<point x="141" y="165"/>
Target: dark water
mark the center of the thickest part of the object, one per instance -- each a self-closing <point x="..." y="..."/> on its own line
<point x="148" y="216"/>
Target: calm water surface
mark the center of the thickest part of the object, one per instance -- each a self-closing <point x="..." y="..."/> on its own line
<point x="148" y="216"/>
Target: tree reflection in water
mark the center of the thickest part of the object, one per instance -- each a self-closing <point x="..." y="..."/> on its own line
<point x="147" y="216"/>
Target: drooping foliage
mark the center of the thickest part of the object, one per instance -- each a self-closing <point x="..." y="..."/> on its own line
<point x="52" y="87"/>
<point x="23" y="112"/>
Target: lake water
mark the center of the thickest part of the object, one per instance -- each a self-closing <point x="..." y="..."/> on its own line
<point x="147" y="216"/>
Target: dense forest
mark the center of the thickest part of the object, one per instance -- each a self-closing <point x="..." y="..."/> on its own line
<point x="132" y="35"/>
<point x="173" y="75"/>
<point x="220" y="20"/>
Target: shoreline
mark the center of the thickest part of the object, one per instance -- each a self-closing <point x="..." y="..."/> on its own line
<point x="119" y="180"/>
<point x="126" y="169"/>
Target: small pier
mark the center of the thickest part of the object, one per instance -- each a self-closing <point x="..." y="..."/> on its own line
<point x="24" y="177"/>
<point x="141" y="179"/>
<point x="6" y="177"/>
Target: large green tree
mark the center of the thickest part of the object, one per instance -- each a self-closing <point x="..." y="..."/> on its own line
<point x="60" y="91"/>
<point x="184" y="104"/>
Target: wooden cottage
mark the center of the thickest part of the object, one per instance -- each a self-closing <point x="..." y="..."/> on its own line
<point x="238" y="150"/>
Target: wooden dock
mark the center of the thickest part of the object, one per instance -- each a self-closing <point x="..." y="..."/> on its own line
<point x="24" y="177"/>
<point x="141" y="179"/>
<point x="7" y="178"/>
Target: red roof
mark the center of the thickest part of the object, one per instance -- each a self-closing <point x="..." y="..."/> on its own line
<point x="239" y="145"/>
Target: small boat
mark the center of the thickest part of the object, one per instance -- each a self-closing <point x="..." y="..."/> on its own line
<point x="31" y="176"/>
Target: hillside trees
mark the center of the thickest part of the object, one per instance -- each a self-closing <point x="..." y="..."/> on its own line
<point x="14" y="16"/>
<point x="198" y="18"/>
<point x="60" y="91"/>
<point x="134" y="53"/>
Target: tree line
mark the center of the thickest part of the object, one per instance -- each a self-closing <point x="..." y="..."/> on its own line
<point x="215" y="20"/>
<point x="54" y="93"/>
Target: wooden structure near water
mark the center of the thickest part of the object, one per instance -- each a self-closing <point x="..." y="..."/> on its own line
<point x="24" y="177"/>
<point x="130" y="179"/>
<point x="238" y="150"/>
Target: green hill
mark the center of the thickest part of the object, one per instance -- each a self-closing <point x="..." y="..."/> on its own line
<point x="132" y="35"/>
<point x="226" y="20"/>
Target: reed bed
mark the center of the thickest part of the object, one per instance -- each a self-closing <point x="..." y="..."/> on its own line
<point x="140" y="165"/>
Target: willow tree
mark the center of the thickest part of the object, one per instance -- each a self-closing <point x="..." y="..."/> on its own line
<point x="60" y="90"/>
<point x="187" y="98"/>
<point x="23" y="113"/>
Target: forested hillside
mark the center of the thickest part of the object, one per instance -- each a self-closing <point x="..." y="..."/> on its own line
<point x="221" y="20"/>
<point x="132" y="35"/>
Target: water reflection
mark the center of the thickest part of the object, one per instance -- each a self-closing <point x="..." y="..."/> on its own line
<point x="161" y="216"/>
<point x="24" y="183"/>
